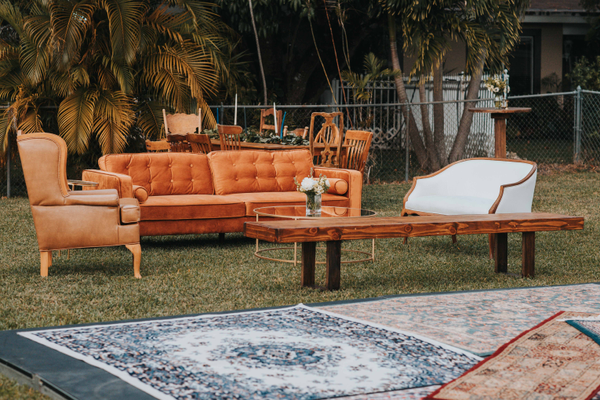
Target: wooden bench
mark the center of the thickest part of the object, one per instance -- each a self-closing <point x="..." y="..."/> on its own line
<point x="334" y="230"/>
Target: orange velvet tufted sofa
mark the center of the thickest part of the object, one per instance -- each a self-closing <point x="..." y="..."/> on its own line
<point x="184" y="193"/>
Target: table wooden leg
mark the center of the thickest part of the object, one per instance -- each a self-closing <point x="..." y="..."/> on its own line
<point x="333" y="263"/>
<point x="501" y="252"/>
<point x="309" y="254"/>
<point x="528" y="254"/>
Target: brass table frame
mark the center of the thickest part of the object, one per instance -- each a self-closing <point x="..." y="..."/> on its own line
<point x="257" y="252"/>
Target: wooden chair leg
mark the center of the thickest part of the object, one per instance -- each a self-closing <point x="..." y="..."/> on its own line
<point x="45" y="262"/>
<point x="453" y="239"/>
<point x="406" y="240"/>
<point x="136" y="250"/>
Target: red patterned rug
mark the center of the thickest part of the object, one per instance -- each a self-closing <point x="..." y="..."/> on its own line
<point x="551" y="361"/>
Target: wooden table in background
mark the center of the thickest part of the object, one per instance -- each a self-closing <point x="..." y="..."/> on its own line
<point x="500" y="115"/>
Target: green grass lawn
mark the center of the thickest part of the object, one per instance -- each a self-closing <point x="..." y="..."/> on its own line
<point x="196" y="274"/>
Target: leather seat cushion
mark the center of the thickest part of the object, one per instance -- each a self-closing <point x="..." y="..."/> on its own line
<point x="266" y="199"/>
<point x="130" y="211"/>
<point x="191" y="206"/>
<point x="449" y="205"/>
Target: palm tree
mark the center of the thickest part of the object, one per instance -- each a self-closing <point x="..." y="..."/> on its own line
<point x="489" y="29"/>
<point x="109" y="66"/>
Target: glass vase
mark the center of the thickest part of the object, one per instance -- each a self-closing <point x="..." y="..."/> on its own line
<point x="498" y="102"/>
<point x="313" y="204"/>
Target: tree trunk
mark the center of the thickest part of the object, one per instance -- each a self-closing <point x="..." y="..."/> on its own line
<point x="262" y="70"/>
<point x="413" y="132"/>
<point x="464" y="128"/>
<point x="427" y="134"/>
<point x="438" y="115"/>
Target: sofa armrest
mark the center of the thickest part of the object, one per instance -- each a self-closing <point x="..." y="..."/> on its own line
<point x="354" y="179"/>
<point x="110" y="180"/>
<point x="517" y="197"/>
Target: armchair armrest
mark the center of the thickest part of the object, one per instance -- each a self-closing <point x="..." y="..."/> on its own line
<point x="516" y="197"/>
<point x="354" y="179"/>
<point x="110" y="180"/>
<point x="93" y="199"/>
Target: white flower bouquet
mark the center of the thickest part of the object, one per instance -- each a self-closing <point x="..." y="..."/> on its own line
<point x="313" y="188"/>
<point x="496" y="86"/>
<point x="312" y="185"/>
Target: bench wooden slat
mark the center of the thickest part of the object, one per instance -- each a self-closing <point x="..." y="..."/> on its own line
<point x="319" y="230"/>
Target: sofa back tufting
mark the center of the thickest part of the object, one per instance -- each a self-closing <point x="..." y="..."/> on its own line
<point x="258" y="171"/>
<point x="163" y="173"/>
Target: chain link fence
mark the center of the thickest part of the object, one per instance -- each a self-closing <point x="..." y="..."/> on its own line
<point x="561" y="128"/>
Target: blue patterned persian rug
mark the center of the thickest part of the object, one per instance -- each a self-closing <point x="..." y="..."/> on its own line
<point x="292" y="353"/>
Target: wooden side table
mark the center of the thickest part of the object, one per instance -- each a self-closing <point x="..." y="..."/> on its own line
<point x="500" y="115"/>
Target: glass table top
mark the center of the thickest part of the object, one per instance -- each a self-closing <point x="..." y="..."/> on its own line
<point x="299" y="212"/>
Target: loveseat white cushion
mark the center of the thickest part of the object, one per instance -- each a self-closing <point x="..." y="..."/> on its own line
<point x="474" y="186"/>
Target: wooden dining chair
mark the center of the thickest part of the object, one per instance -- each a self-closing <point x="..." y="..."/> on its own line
<point x="330" y="135"/>
<point x="157" y="146"/>
<point x="358" y="144"/>
<point x="182" y="124"/>
<point x="230" y="136"/>
<point x="199" y="143"/>
<point x="178" y="143"/>
<point x="264" y="113"/>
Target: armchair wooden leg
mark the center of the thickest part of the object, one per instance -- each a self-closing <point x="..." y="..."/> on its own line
<point x="136" y="250"/>
<point x="45" y="262"/>
<point x="453" y="239"/>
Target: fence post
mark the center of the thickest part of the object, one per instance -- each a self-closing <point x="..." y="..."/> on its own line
<point x="407" y="164"/>
<point x="577" y="144"/>
<point x="8" y="167"/>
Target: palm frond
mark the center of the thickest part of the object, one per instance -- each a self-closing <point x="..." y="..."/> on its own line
<point x="124" y="18"/>
<point x="113" y="117"/>
<point x="76" y="118"/>
<point x="70" y="22"/>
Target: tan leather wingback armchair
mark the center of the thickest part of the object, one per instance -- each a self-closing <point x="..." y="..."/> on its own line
<point x="67" y="219"/>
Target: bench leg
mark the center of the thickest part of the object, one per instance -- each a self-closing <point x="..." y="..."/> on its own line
<point x="501" y="252"/>
<point x="309" y="253"/>
<point x="492" y="240"/>
<point x="333" y="262"/>
<point x="528" y="254"/>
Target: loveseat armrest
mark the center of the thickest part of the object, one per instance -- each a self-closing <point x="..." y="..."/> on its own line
<point x="110" y="180"/>
<point x="354" y="179"/>
<point x="516" y="197"/>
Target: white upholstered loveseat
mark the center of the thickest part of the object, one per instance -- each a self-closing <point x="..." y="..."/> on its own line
<point x="474" y="186"/>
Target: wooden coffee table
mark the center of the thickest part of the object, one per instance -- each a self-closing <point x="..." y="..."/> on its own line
<point x="295" y="212"/>
<point x="333" y="231"/>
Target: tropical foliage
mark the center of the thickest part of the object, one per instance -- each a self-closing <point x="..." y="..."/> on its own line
<point x="488" y="28"/>
<point x="109" y="66"/>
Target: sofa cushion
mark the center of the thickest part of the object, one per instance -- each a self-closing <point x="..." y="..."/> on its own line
<point x="267" y="199"/>
<point x="258" y="171"/>
<point x="450" y="205"/>
<point x="163" y="173"/>
<point x="191" y="206"/>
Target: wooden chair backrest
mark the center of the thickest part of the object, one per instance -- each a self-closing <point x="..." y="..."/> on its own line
<point x="230" y="137"/>
<point x="161" y="145"/>
<point x="264" y="113"/>
<point x="178" y="143"/>
<point x="182" y="123"/>
<point x="330" y="134"/>
<point x="199" y="143"/>
<point x="359" y="143"/>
